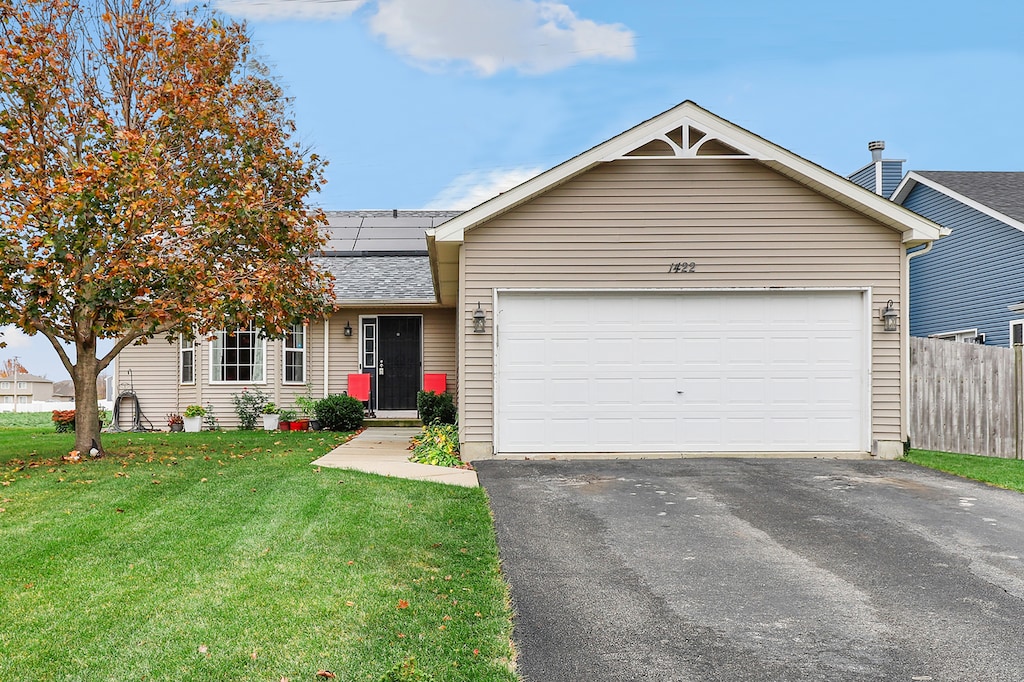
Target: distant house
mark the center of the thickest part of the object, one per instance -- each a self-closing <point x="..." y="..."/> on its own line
<point x="685" y="287"/>
<point x="24" y="388"/>
<point x="968" y="286"/>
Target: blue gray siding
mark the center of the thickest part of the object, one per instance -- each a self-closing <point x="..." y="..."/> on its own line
<point x="970" y="277"/>
<point x="865" y="177"/>
<point x="892" y="173"/>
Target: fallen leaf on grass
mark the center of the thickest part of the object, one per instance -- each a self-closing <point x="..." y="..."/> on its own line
<point x="156" y="482"/>
<point x="253" y="655"/>
<point x="119" y="510"/>
<point x="326" y="674"/>
<point x="2" y="510"/>
<point x="403" y="604"/>
<point x="204" y="650"/>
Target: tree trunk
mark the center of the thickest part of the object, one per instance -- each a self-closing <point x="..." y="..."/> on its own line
<point x="84" y="373"/>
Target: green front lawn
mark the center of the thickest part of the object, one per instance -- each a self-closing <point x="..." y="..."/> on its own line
<point x="226" y="556"/>
<point x="1005" y="473"/>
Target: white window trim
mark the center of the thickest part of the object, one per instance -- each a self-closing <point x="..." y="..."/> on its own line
<point x="285" y="349"/>
<point x="181" y="361"/>
<point x="260" y="338"/>
<point x="364" y="319"/>
<point x="5" y="384"/>
<point x="962" y="335"/>
<point x="22" y="385"/>
<point x="1012" y="323"/>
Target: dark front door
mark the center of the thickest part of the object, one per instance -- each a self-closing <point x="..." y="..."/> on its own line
<point x="398" y="361"/>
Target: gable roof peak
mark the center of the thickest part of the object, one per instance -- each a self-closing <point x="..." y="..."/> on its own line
<point x="688" y="131"/>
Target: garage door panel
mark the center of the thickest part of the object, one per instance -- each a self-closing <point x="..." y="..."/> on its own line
<point x="694" y="371"/>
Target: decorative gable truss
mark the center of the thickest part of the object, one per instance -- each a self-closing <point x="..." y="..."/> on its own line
<point x="687" y="140"/>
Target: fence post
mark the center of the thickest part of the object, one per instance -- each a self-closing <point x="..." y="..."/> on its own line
<point x="1017" y="403"/>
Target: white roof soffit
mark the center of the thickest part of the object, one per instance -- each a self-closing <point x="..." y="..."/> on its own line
<point x="912" y="179"/>
<point x="687" y="132"/>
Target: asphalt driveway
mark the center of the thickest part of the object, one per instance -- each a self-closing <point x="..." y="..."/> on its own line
<point x="746" y="569"/>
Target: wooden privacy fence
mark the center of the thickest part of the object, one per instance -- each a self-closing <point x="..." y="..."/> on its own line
<point x="965" y="398"/>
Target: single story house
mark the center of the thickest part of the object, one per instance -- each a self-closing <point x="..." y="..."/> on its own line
<point x="686" y="287"/>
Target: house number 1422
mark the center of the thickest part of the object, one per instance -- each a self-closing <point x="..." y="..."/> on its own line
<point x="682" y="267"/>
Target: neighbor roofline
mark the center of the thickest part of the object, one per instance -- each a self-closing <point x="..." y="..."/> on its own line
<point x="914" y="178"/>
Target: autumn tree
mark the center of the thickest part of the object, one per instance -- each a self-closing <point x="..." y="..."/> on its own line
<point x="149" y="183"/>
<point x="11" y="367"/>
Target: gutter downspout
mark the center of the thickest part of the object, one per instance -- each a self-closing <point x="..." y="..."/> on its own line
<point x="905" y="338"/>
<point x="327" y="355"/>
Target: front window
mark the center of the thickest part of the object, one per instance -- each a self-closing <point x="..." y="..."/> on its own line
<point x="22" y="384"/>
<point x="237" y="356"/>
<point x="295" y="354"/>
<point x="5" y="384"/>
<point x="23" y="399"/>
<point x="188" y="361"/>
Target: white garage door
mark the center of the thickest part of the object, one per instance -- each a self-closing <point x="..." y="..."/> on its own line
<point x="681" y="372"/>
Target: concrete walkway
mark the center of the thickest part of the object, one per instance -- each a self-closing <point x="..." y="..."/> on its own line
<point x="385" y="451"/>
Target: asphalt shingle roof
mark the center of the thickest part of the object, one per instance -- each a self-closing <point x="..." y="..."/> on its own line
<point x="1001" y="191"/>
<point x="403" y="279"/>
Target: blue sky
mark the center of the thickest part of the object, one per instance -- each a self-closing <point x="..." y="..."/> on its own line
<point x="441" y="103"/>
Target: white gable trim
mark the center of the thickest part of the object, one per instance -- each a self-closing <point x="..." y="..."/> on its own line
<point x="912" y="179"/>
<point x="686" y="116"/>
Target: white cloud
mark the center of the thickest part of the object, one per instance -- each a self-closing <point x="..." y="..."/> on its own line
<point x="289" y="9"/>
<point x="532" y="36"/>
<point x="15" y="339"/>
<point x="470" y="189"/>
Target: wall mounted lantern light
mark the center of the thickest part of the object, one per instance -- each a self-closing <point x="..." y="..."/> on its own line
<point x="890" y="318"/>
<point x="479" y="320"/>
<point x="348" y="328"/>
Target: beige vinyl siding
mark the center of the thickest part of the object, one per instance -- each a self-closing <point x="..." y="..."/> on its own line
<point x="623" y="223"/>
<point x="439" y="348"/>
<point x="155" y="380"/>
<point x="155" y="366"/>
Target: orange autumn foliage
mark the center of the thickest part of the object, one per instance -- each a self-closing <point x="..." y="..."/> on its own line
<point x="149" y="182"/>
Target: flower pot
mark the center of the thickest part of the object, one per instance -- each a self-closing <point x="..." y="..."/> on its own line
<point x="193" y="424"/>
<point x="177" y="427"/>
<point x="300" y="425"/>
<point x="314" y="424"/>
<point x="285" y="426"/>
<point x="271" y="421"/>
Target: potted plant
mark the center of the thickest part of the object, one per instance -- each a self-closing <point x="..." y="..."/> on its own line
<point x="271" y="417"/>
<point x="194" y="418"/>
<point x="287" y="417"/>
<point x="175" y="422"/>
<point x="308" y="406"/>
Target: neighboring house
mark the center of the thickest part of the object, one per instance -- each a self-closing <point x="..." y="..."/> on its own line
<point x="24" y="388"/>
<point x="970" y="286"/>
<point x="685" y="287"/>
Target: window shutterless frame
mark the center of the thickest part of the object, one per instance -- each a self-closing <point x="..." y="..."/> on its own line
<point x="238" y="357"/>
<point x="1016" y="332"/>
<point x="294" y="354"/>
<point x="187" y="361"/>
